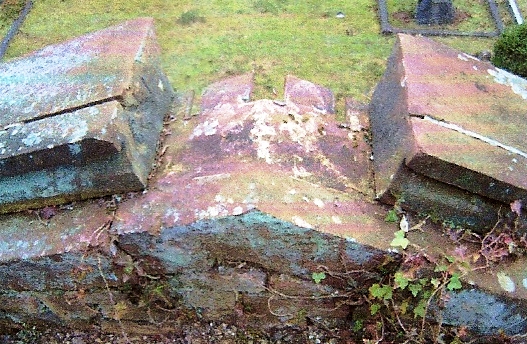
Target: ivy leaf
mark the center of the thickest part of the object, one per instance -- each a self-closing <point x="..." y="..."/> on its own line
<point x="420" y="309"/>
<point x="435" y="282"/>
<point x="400" y="240"/>
<point x="318" y="276"/>
<point x="454" y="283"/>
<point x="391" y="216"/>
<point x="415" y="289"/>
<point x="384" y="292"/>
<point x="400" y="280"/>
<point x="403" y="308"/>
<point x="441" y="268"/>
<point x="450" y="259"/>
<point x="374" y="308"/>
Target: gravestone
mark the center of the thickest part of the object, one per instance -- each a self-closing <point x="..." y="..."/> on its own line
<point x="82" y="118"/>
<point x="434" y="12"/>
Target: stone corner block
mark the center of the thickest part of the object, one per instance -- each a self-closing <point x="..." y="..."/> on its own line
<point x="455" y="121"/>
<point x="82" y="118"/>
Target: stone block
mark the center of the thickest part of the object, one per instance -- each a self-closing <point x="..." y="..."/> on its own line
<point x="236" y="89"/>
<point x="309" y="97"/>
<point x="81" y="119"/>
<point x="451" y="119"/>
<point x="295" y="298"/>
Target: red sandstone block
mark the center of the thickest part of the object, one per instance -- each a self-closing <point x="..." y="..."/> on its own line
<point x="451" y="119"/>
<point x="82" y="118"/>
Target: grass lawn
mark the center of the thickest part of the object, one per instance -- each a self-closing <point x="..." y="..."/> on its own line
<point x="203" y="41"/>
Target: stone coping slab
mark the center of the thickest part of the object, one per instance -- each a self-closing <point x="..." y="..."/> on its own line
<point x="451" y="118"/>
<point x="81" y="119"/>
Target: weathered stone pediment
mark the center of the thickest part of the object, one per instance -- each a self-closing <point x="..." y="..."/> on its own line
<point x="82" y="118"/>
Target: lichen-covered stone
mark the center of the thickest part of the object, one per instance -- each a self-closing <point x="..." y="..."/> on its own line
<point x="449" y="117"/>
<point x="246" y="191"/>
<point x="221" y="232"/>
<point x="82" y="118"/>
<point x="487" y="314"/>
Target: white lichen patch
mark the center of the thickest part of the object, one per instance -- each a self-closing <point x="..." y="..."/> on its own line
<point x="237" y="211"/>
<point x="206" y="128"/>
<point x="211" y="178"/>
<point x="300" y="222"/>
<point x="506" y="283"/>
<point x="517" y="84"/>
<point x="252" y="196"/>
<point x="263" y="151"/>
<point x="300" y="172"/>
<point x="466" y="57"/>
<point x="302" y="130"/>
<point x="75" y="132"/>
<point x="354" y="122"/>
<point x="211" y="211"/>
<point x="263" y="132"/>
<point x="462" y="57"/>
<point x="319" y="203"/>
<point x="171" y="217"/>
<point x="32" y="139"/>
<point x="403" y="82"/>
<point x="336" y="220"/>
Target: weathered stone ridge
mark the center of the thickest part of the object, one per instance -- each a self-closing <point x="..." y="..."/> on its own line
<point x="81" y="119"/>
<point x="456" y="121"/>
<point x="250" y="198"/>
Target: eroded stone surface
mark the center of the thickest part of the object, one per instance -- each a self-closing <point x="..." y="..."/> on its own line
<point x="225" y="233"/>
<point x="451" y="118"/>
<point x="234" y="90"/>
<point x="233" y="149"/>
<point x="82" y="118"/>
<point x="249" y="199"/>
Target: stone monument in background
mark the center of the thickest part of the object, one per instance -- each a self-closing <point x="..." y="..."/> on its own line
<point x="434" y="12"/>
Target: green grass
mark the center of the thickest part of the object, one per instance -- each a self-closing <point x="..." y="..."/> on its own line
<point x="472" y="15"/>
<point x="203" y="41"/>
<point x="9" y="10"/>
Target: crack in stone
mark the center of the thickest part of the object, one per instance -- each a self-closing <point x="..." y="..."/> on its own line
<point x="73" y="109"/>
<point x="475" y="135"/>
